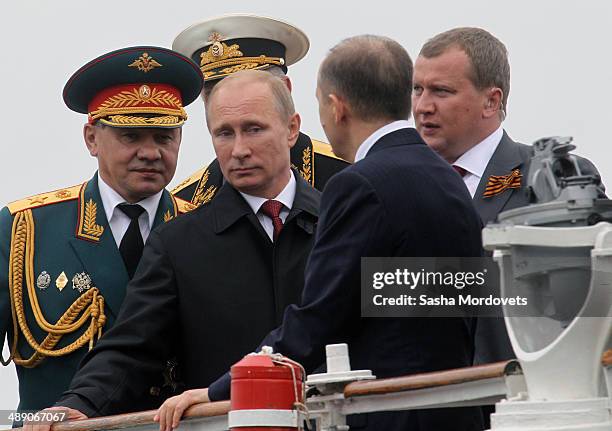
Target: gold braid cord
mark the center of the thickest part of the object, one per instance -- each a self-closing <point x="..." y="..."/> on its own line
<point x="89" y="306"/>
<point x="138" y="121"/>
<point x="159" y="102"/>
<point x="262" y="59"/>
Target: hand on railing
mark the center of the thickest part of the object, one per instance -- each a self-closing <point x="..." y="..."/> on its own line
<point x="47" y="417"/>
<point x="170" y="413"/>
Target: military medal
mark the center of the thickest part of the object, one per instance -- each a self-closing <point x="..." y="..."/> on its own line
<point x="497" y="184"/>
<point x="61" y="281"/>
<point x="81" y="282"/>
<point x="43" y="281"/>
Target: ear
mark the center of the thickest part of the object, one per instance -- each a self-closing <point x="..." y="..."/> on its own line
<point x="288" y="83"/>
<point x="90" y="135"/>
<point x="179" y="135"/>
<point x="295" y="123"/>
<point x="493" y="102"/>
<point x="338" y="108"/>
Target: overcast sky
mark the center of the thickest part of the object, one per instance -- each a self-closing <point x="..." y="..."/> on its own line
<point x="559" y="56"/>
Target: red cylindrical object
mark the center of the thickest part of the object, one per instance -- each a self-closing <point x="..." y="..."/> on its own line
<point x="258" y="383"/>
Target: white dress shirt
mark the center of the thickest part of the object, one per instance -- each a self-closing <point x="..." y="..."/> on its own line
<point x="366" y="145"/>
<point x="118" y="220"/>
<point x="286" y="197"/>
<point x="476" y="159"/>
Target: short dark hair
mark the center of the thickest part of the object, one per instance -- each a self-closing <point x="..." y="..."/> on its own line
<point x="373" y="74"/>
<point x="488" y="55"/>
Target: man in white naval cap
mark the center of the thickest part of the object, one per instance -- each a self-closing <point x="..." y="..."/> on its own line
<point x="230" y="43"/>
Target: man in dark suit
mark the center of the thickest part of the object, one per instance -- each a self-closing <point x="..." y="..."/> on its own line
<point x="398" y="199"/>
<point x="217" y="279"/>
<point x="461" y="87"/>
<point x="85" y="241"/>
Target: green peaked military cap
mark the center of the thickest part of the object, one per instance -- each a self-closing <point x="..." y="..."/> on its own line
<point x="140" y="86"/>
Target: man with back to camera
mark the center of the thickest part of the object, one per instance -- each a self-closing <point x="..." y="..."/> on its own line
<point x="213" y="283"/>
<point x="398" y="199"/>
<point x="85" y="241"/>
<point x="230" y="43"/>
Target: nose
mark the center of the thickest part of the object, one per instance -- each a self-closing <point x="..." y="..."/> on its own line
<point x="241" y="149"/>
<point x="149" y="149"/>
<point x="422" y="104"/>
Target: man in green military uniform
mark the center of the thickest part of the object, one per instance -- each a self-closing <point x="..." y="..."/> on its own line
<point x="227" y="44"/>
<point x="67" y="255"/>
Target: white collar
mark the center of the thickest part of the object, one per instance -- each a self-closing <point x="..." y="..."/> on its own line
<point x="366" y="145"/>
<point x="286" y="196"/>
<point x="110" y="200"/>
<point x="476" y="159"/>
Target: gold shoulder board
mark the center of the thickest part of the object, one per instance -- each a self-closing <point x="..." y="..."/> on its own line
<point x="193" y="178"/>
<point x="183" y="205"/>
<point x="44" y="199"/>
<point x="324" y="149"/>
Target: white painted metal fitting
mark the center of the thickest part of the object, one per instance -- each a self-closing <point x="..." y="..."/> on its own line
<point x="338" y="368"/>
<point x="263" y="418"/>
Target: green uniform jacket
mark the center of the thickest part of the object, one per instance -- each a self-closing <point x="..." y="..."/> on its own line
<point x="73" y="252"/>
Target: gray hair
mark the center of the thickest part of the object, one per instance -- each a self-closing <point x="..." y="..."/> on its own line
<point x="373" y="74"/>
<point x="487" y="54"/>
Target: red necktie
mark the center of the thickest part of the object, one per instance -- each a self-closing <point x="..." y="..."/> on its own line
<point x="272" y="209"/>
<point x="460" y="170"/>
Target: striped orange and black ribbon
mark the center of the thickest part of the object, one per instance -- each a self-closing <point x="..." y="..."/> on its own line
<point x="499" y="183"/>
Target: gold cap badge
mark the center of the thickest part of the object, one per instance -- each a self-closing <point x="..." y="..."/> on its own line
<point x="145" y="63"/>
<point x="217" y="47"/>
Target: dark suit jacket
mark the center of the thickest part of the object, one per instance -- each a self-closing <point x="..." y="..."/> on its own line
<point x="209" y="287"/>
<point x="401" y="200"/>
<point x="491" y="337"/>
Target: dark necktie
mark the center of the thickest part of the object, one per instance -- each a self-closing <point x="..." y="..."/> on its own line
<point x="131" y="244"/>
<point x="460" y="170"/>
<point x="272" y="209"/>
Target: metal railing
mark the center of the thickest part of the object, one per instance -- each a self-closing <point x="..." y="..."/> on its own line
<point x="479" y="385"/>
